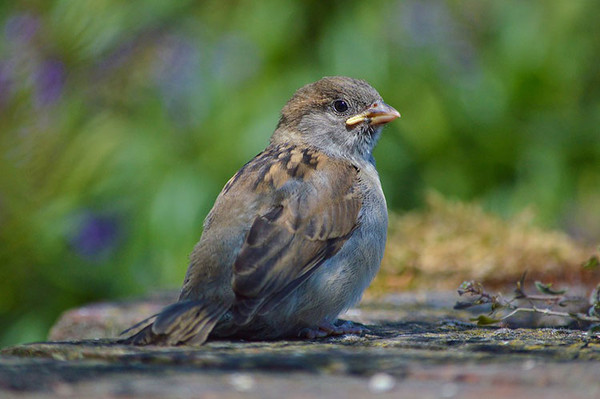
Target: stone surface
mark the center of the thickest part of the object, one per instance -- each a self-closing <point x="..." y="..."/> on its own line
<point x="416" y="347"/>
<point x="106" y="319"/>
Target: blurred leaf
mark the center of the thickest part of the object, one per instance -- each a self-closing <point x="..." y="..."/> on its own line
<point x="547" y="289"/>
<point x="463" y="305"/>
<point x="592" y="263"/>
<point x="594" y="329"/>
<point x="483" y="320"/>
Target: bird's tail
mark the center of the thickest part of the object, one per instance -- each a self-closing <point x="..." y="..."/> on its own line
<point x="185" y="322"/>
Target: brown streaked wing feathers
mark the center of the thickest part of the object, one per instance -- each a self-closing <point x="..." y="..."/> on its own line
<point x="286" y="244"/>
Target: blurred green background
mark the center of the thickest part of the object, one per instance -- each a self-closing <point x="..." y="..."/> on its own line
<point x="120" y="121"/>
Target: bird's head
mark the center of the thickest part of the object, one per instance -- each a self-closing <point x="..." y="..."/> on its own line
<point x="340" y="116"/>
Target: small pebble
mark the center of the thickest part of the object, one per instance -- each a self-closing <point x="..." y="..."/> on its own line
<point x="449" y="390"/>
<point x="528" y="365"/>
<point x="242" y="382"/>
<point x="381" y="382"/>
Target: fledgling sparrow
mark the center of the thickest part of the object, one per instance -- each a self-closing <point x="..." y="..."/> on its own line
<point x="297" y="234"/>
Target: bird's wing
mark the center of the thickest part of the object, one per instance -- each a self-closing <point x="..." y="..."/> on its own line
<point x="314" y="213"/>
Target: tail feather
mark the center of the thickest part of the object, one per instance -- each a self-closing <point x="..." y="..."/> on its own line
<point x="184" y="322"/>
<point x="139" y="324"/>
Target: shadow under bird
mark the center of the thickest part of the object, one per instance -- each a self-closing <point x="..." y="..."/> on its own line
<point x="296" y="235"/>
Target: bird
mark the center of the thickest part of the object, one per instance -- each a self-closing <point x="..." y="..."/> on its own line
<point x="296" y="235"/>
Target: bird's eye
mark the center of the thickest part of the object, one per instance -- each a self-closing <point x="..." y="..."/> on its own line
<point x="340" y="106"/>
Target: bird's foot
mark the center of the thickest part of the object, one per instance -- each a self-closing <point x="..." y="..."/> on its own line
<point x="327" y="329"/>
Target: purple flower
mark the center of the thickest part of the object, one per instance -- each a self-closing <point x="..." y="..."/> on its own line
<point x="177" y="64"/>
<point x="21" y="27"/>
<point x="5" y="87"/>
<point x="96" y="236"/>
<point x="49" y="82"/>
<point x="178" y="77"/>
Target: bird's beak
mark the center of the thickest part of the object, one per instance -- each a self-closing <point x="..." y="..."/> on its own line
<point x="377" y="114"/>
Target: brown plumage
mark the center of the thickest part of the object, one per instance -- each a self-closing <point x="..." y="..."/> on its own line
<point x="296" y="234"/>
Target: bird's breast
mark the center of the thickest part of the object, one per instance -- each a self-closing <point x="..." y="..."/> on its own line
<point x="340" y="282"/>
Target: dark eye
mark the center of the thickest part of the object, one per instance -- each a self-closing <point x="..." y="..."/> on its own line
<point x="340" y="106"/>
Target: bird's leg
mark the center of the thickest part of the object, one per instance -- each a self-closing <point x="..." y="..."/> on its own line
<point x="326" y="329"/>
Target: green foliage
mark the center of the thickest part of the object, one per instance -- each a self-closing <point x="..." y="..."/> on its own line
<point x="546" y="288"/>
<point x="121" y="121"/>
<point x="592" y="263"/>
<point x="483" y="320"/>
